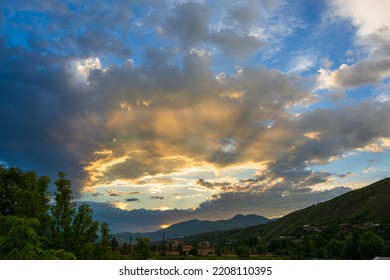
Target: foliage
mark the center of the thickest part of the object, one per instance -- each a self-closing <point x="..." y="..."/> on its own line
<point x="357" y="244"/>
<point x="83" y="232"/>
<point x="31" y="228"/>
<point x="243" y="251"/>
<point x="24" y="195"/>
<point x="103" y="248"/>
<point x="143" y="247"/>
<point x="22" y="242"/>
<point x="63" y="211"/>
<point x="371" y="245"/>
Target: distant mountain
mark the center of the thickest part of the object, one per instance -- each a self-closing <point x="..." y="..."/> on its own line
<point x="193" y="227"/>
<point x="365" y="205"/>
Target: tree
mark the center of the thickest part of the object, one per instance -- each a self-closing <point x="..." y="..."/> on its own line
<point x="143" y="247"/>
<point x="105" y="235"/>
<point x="261" y="248"/>
<point x="242" y="251"/>
<point x="73" y="228"/>
<point x="84" y="231"/>
<point x="335" y="249"/>
<point x="371" y="245"/>
<point x="114" y="244"/>
<point x="352" y="244"/>
<point x="21" y="241"/>
<point x="33" y="199"/>
<point x="103" y="247"/>
<point x="28" y="231"/>
<point x="63" y="211"/>
<point x="25" y="195"/>
<point x="9" y="180"/>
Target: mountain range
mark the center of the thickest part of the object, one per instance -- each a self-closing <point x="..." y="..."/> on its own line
<point x="194" y="227"/>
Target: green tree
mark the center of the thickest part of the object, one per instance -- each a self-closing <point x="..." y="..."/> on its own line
<point x="335" y="249"/>
<point x="352" y="244"/>
<point x="105" y="235"/>
<point x="33" y="199"/>
<point x="114" y="244"/>
<point x="261" y="248"/>
<point x="143" y="247"/>
<point x="371" y="245"/>
<point x="9" y="181"/>
<point x="103" y="247"/>
<point x="84" y="232"/>
<point x="25" y="195"/>
<point x="63" y="211"/>
<point x="194" y="252"/>
<point x="21" y="241"/>
<point x="243" y="251"/>
<point x="73" y="228"/>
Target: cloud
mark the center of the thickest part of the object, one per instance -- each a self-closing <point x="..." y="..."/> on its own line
<point x="173" y="121"/>
<point x="371" y="20"/>
<point x="339" y="131"/>
<point x="363" y="72"/>
<point x="81" y="32"/>
<point x="121" y="193"/>
<point x="209" y="185"/>
<point x="369" y="170"/>
<point x="127" y="121"/>
<point x="191" y="23"/>
<point x="132" y="199"/>
<point x="163" y="128"/>
<point x="368" y="16"/>
<point x="128" y="98"/>
<point x="267" y="203"/>
<point x="157" y="197"/>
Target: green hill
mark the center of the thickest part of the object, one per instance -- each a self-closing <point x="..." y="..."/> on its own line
<point x="368" y="204"/>
<point x="365" y="205"/>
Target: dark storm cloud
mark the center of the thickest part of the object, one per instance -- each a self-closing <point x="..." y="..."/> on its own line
<point x="33" y="112"/>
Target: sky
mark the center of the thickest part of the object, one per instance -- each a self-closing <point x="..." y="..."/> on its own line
<point x="161" y="111"/>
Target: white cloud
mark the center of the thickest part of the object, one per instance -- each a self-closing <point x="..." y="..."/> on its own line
<point x="366" y="15"/>
<point x="302" y="63"/>
<point x="372" y="22"/>
<point x="83" y="67"/>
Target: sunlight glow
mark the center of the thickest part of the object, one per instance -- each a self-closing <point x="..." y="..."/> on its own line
<point x="165" y="226"/>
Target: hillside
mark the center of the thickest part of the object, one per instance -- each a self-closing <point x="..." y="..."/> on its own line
<point x="368" y="204"/>
<point x="193" y="227"/>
